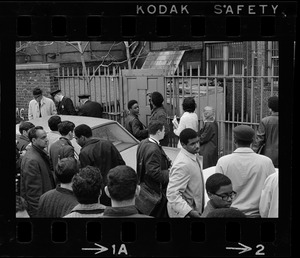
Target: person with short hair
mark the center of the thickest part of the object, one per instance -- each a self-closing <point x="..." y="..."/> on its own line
<point x="54" y="134"/>
<point x="185" y="190"/>
<point x="189" y="118"/>
<point x="226" y="213"/>
<point x="23" y="140"/>
<point x="132" y="122"/>
<point x="97" y="152"/>
<point x="60" y="201"/>
<point x="153" y="165"/>
<point x="158" y="112"/>
<point x="88" y="107"/>
<point x="40" y="106"/>
<point x="247" y="171"/>
<point x="219" y="191"/>
<point x="209" y="138"/>
<point x="36" y="174"/>
<point x="87" y="186"/>
<point x="122" y="187"/>
<point x="65" y="105"/>
<point x="63" y="148"/>
<point x="267" y="135"/>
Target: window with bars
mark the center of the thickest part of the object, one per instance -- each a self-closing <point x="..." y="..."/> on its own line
<point x="225" y="58"/>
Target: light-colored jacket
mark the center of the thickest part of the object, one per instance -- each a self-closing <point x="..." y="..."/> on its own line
<point x="185" y="191"/>
<point x="268" y="205"/>
<point x="47" y="108"/>
<point x="248" y="172"/>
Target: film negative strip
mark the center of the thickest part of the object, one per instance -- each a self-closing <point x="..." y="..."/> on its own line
<point x="224" y="39"/>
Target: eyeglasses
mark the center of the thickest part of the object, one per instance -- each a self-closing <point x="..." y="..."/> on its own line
<point x="227" y="196"/>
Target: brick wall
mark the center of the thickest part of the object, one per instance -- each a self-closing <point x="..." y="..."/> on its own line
<point x="29" y="76"/>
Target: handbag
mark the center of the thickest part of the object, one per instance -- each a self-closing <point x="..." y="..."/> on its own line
<point x="147" y="200"/>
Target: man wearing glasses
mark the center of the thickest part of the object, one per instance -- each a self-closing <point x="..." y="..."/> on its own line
<point x="219" y="191"/>
<point x="40" y="106"/>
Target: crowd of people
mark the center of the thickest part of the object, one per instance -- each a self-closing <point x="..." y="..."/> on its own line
<point x="54" y="182"/>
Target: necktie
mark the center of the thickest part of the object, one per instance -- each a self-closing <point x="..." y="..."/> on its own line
<point x="40" y="109"/>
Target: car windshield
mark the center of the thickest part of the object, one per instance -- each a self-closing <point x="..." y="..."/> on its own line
<point x="115" y="134"/>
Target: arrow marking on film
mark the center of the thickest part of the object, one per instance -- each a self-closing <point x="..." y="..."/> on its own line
<point x="100" y="249"/>
<point x="243" y="249"/>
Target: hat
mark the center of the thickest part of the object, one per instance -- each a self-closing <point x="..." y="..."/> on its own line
<point x="84" y="96"/>
<point x="243" y="133"/>
<point x="53" y="93"/>
<point x="37" y="91"/>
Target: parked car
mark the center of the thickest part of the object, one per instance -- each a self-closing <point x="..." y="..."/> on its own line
<point x="106" y="129"/>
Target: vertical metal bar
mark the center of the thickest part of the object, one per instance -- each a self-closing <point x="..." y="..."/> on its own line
<point x="233" y="93"/>
<point x="243" y="88"/>
<point x="69" y="82"/>
<point x="191" y="88"/>
<point x="272" y="78"/>
<point x="100" y="87"/>
<point x="252" y="95"/>
<point x="199" y="97"/>
<point x="207" y="89"/>
<point x="261" y="91"/>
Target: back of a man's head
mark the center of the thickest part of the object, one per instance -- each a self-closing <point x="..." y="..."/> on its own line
<point x="65" y="127"/>
<point x="66" y="168"/>
<point x="87" y="185"/>
<point x="83" y="130"/>
<point x="53" y="122"/>
<point x="121" y="183"/>
<point x="25" y="126"/>
<point x="154" y="126"/>
<point x="215" y="181"/>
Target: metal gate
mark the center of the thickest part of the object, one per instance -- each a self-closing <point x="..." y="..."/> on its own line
<point x="236" y="98"/>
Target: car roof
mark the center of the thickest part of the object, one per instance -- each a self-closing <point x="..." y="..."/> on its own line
<point x="77" y="120"/>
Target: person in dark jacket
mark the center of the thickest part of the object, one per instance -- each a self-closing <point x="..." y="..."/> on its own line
<point x="209" y="138"/>
<point x="65" y="105"/>
<point x="98" y="153"/>
<point x="153" y="165"/>
<point x="63" y="147"/>
<point x="23" y="140"/>
<point x="158" y="112"/>
<point x="122" y="187"/>
<point x="59" y="202"/>
<point x="266" y="142"/>
<point x="132" y="122"/>
<point x="36" y="174"/>
<point x="89" y="108"/>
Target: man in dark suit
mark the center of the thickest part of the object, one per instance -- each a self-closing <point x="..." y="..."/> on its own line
<point x="65" y="105"/>
<point x="88" y="107"/>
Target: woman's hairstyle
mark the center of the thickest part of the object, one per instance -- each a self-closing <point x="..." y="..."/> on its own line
<point x="189" y="104"/>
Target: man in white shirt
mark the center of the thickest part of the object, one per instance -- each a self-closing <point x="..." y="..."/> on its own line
<point x="185" y="191"/>
<point x="40" y="106"/>
<point x="268" y="205"/>
<point x="247" y="171"/>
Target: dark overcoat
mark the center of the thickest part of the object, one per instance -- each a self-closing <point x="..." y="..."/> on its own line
<point x="36" y="178"/>
<point x="153" y="168"/>
<point x="66" y="107"/>
<point x="209" y="144"/>
<point x="91" y="108"/>
<point x="102" y="154"/>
